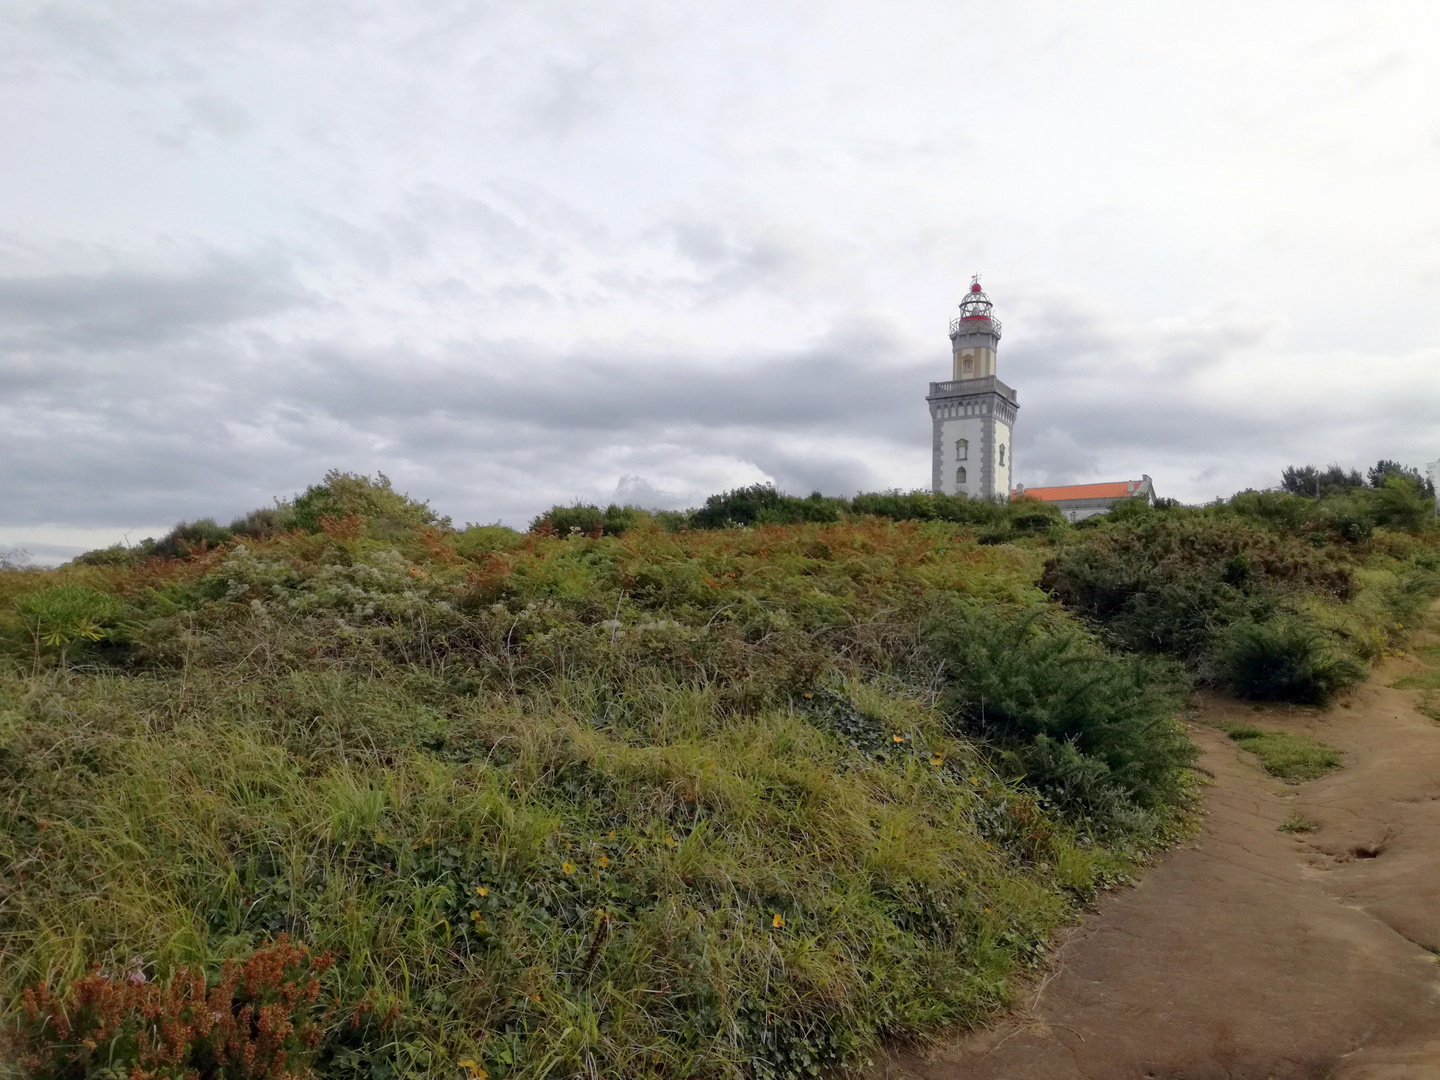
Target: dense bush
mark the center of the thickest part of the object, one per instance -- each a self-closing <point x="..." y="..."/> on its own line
<point x="762" y="504"/>
<point x="1316" y="483"/>
<point x="1092" y="730"/>
<point x="587" y="520"/>
<point x="1334" y="504"/>
<point x="1285" y="660"/>
<point x="388" y="514"/>
<point x="1172" y="582"/>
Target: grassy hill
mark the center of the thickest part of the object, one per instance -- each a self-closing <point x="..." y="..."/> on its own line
<point x="736" y="792"/>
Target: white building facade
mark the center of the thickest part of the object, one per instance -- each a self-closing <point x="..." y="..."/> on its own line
<point x="973" y="414"/>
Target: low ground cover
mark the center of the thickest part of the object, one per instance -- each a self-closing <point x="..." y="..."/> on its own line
<point x="1288" y="755"/>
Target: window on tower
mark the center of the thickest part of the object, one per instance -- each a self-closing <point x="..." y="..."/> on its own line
<point x="962" y="449"/>
<point x="960" y="476"/>
<point x="1002" y="453"/>
<point x="969" y="364"/>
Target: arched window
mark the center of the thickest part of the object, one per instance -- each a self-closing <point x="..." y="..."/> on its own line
<point x="962" y="449"/>
<point x="1002" y="453"/>
<point x="960" y="476"/>
<point x="969" y="364"/>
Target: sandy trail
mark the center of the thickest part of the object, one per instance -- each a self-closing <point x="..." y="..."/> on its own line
<point x="1251" y="952"/>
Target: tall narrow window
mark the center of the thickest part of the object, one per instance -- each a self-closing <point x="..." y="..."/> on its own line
<point x="1002" y="453"/>
<point x="962" y="449"/>
<point x="969" y="365"/>
<point x="960" y="476"/>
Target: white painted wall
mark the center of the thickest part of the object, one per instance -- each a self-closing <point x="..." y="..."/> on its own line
<point x="972" y="428"/>
<point x="965" y="427"/>
<point x="1003" y="438"/>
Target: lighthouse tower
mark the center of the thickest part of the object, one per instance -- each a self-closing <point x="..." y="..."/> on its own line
<point x="974" y="412"/>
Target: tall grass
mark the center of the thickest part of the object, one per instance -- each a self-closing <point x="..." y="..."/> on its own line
<point x="661" y="804"/>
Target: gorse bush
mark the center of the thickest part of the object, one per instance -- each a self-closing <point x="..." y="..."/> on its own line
<point x="1171" y="584"/>
<point x="1093" y="731"/>
<point x="1284" y="660"/>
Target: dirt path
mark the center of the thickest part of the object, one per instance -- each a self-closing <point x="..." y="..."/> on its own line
<point x="1251" y="953"/>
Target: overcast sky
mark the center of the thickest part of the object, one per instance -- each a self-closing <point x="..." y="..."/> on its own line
<point x="513" y="254"/>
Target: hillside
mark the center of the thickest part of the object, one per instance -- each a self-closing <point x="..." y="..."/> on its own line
<point x="738" y="792"/>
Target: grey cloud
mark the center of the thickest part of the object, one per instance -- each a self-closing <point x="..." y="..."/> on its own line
<point x="571" y="95"/>
<point x="854" y="378"/>
<point x="632" y="490"/>
<point x="125" y="308"/>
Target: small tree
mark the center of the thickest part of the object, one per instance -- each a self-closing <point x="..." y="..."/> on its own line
<point x="1316" y="483"/>
<point x="63" y="615"/>
<point x="1385" y="469"/>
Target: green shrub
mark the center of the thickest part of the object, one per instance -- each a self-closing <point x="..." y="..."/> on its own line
<point x="1280" y="510"/>
<point x="120" y="555"/>
<point x="1402" y="503"/>
<point x="190" y="536"/>
<point x="478" y="540"/>
<point x="1309" y="481"/>
<point x="1284" y="660"/>
<point x="388" y="514"/>
<point x="762" y="504"/>
<point x="582" y="519"/>
<point x="1174" y="582"/>
<point x="1093" y="730"/>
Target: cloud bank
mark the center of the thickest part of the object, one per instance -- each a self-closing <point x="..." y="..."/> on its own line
<point x="513" y="256"/>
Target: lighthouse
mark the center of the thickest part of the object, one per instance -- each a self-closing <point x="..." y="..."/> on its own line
<point x="973" y="413"/>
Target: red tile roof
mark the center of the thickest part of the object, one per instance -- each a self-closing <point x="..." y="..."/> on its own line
<point x="1119" y="490"/>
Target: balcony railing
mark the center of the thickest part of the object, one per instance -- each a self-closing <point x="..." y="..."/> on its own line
<point x="974" y="324"/>
<point x="983" y="385"/>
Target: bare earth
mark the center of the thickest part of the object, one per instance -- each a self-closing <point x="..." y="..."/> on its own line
<point x="1251" y="952"/>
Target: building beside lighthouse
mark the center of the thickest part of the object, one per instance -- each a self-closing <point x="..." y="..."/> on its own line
<point x="973" y="413"/>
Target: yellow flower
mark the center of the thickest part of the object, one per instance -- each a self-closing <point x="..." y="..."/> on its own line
<point x="898" y="738"/>
<point x="670" y="840"/>
<point x="568" y="867"/>
<point x="611" y="836"/>
<point x="481" y="890"/>
<point x="778" y="921"/>
<point x="604" y="861"/>
<point x="937" y="760"/>
<point x="478" y="918"/>
<point x="475" y="1071"/>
